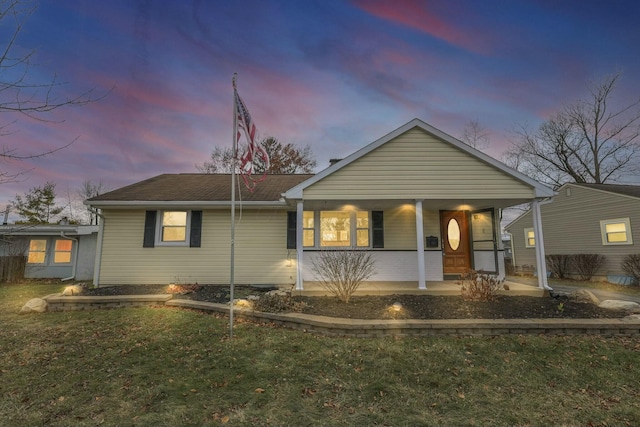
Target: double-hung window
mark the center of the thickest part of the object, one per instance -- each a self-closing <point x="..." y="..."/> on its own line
<point x="172" y="228"/>
<point x="62" y="251"/>
<point x="616" y="231"/>
<point x="529" y="238"/>
<point x="37" y="251"/>
<point x="337" y="229"/>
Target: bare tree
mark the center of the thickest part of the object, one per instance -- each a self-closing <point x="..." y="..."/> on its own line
<point x="88" y="190"/>
<point x="475" y="135"/>
<point x="283" y="159"/>
<point x="21" y="95"/>
<point x="587" y="141"/>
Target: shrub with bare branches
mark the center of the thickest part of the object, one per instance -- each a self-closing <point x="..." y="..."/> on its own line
<point x="559" y="265"/>
<point x="341" y="272"/>
<point x="631" y="265"/>
<point x="586" y="265"/>
<point x="479" y="286"/>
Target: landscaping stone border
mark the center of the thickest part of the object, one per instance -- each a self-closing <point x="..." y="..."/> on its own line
<point x="330" y="326"/>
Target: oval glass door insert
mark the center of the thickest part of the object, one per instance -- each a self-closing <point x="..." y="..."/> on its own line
<point x="453" y="234"/>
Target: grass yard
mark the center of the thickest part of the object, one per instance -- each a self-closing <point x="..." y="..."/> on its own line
<point x="161" y="366"/>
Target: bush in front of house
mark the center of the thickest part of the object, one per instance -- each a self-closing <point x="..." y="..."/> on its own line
<point x="341" y="272"/>
<point x="631" y="266"/>
<point x="479" y="286"/>
<point x="277" y="302"/>
<point x="586" y="265"/>
<point x="559" y="265"/>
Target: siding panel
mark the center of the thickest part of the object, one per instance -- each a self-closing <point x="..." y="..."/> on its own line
<point x="417" y="165"/>
<point x="571" y="225"/>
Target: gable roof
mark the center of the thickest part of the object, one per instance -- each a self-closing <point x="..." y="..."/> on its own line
<point x="622" y="189"/>
<point x="196" y="189"/>
<point x="540" y="189"/>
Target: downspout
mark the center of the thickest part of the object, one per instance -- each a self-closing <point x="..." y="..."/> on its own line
<point x="74" y="257"/>
<point x="541" y="262"/>
<point x="98" y="261"/>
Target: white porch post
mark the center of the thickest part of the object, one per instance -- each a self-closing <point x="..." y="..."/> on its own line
<point x="299" y="245"/>
<point x="541" y="264"/>
<point x="420" y="241"/>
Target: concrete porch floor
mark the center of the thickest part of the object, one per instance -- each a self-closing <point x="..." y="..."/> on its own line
<point x="447" y="287"/>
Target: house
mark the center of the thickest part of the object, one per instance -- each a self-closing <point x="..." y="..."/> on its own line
<point x="426" y="205"/>
<point x="61" y="251"/>
<point x="584" y="219"/>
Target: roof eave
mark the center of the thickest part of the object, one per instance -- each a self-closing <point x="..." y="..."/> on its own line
<point x="119" y="204"/>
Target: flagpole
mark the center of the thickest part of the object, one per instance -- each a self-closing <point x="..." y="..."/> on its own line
<point x="233" y="205"/>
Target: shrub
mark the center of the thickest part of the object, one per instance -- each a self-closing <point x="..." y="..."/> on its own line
<point x="277" y="302"/>
<point x="341" y="272"/>
<point x="631" y="265"/>
<point x="586" y="265"/>
<point x="559" y="265"/>
<point x="479" y="286"/>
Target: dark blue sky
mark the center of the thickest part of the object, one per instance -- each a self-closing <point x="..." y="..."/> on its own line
<point x="335" y="75"/>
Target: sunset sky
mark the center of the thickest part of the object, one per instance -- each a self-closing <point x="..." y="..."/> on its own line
<point x="334" y="75"/>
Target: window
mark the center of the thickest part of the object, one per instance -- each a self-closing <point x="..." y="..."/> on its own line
<point x="62" y="251"/>
<point x="616" y="231"/>
<point x="308" y="234"/>
<point x="337" y="229"/>
<point x="172" y="228"/>
<point x="37" y="251"/>
<point x="529" y="238"/>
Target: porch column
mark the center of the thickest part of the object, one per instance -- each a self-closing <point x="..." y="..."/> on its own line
<point x="299" y="245"/>
<point x="420" y="240"/>
<point x="541" y="263"/>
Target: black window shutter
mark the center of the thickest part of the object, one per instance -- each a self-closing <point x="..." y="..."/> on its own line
<point x="377" y="219"/>
<point x="149" y="229"/>
<point x="196" y="229"/>
<point x="292" y="219"/>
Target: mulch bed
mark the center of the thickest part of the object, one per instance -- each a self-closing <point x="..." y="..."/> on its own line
<point x="412" y="306"/>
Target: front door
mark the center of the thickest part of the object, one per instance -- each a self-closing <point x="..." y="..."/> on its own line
<point x="455" y="242"/>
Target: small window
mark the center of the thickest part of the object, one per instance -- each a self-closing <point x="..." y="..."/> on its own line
<point x="529" y="238"/>
<point x="616" y="231"/>
<point x="362" y="228"/>
<point x="62" y="253"/>
<point x="173" y="227"/>
<point x="37" y="251"/>
<point x="308" y="235"/>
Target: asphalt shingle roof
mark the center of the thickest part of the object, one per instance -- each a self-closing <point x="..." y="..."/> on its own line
<point x="627" y="190"/>
<point x="200" y="188"/>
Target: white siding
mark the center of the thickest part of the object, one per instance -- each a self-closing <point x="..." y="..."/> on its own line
<point x="260" y="248"/>
<point x="417" y="165"/>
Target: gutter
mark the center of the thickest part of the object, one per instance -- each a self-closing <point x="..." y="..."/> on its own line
<point x="74" y="257"/>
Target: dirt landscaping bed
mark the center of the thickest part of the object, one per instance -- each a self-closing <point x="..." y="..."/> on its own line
<point x="406" y="306"/>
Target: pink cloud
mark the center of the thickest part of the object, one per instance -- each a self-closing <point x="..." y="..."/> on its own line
<point x="419" y="16"/>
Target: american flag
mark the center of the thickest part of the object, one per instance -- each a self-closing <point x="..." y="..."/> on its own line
<point x="253" y="150"/>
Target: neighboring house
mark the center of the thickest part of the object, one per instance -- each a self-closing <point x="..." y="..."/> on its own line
<point x="583" y="219"/>
<point x="52" y="250"/>
<point x="426" y="205"/>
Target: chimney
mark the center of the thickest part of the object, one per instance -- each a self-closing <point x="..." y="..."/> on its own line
<point x="333" y="161"/>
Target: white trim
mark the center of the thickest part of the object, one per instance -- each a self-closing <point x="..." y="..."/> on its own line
<point x="420" y="246"/>
<point x="151" y="204"/>
<point x="627" y="225"/>
<point x="526" y="237"/>
<point x="187" y="231"/>
<point x="300" y="244"/>
<point x="540" y="189"/>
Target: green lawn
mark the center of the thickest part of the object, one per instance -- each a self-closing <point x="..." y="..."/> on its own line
<point x="161" y="366"/>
